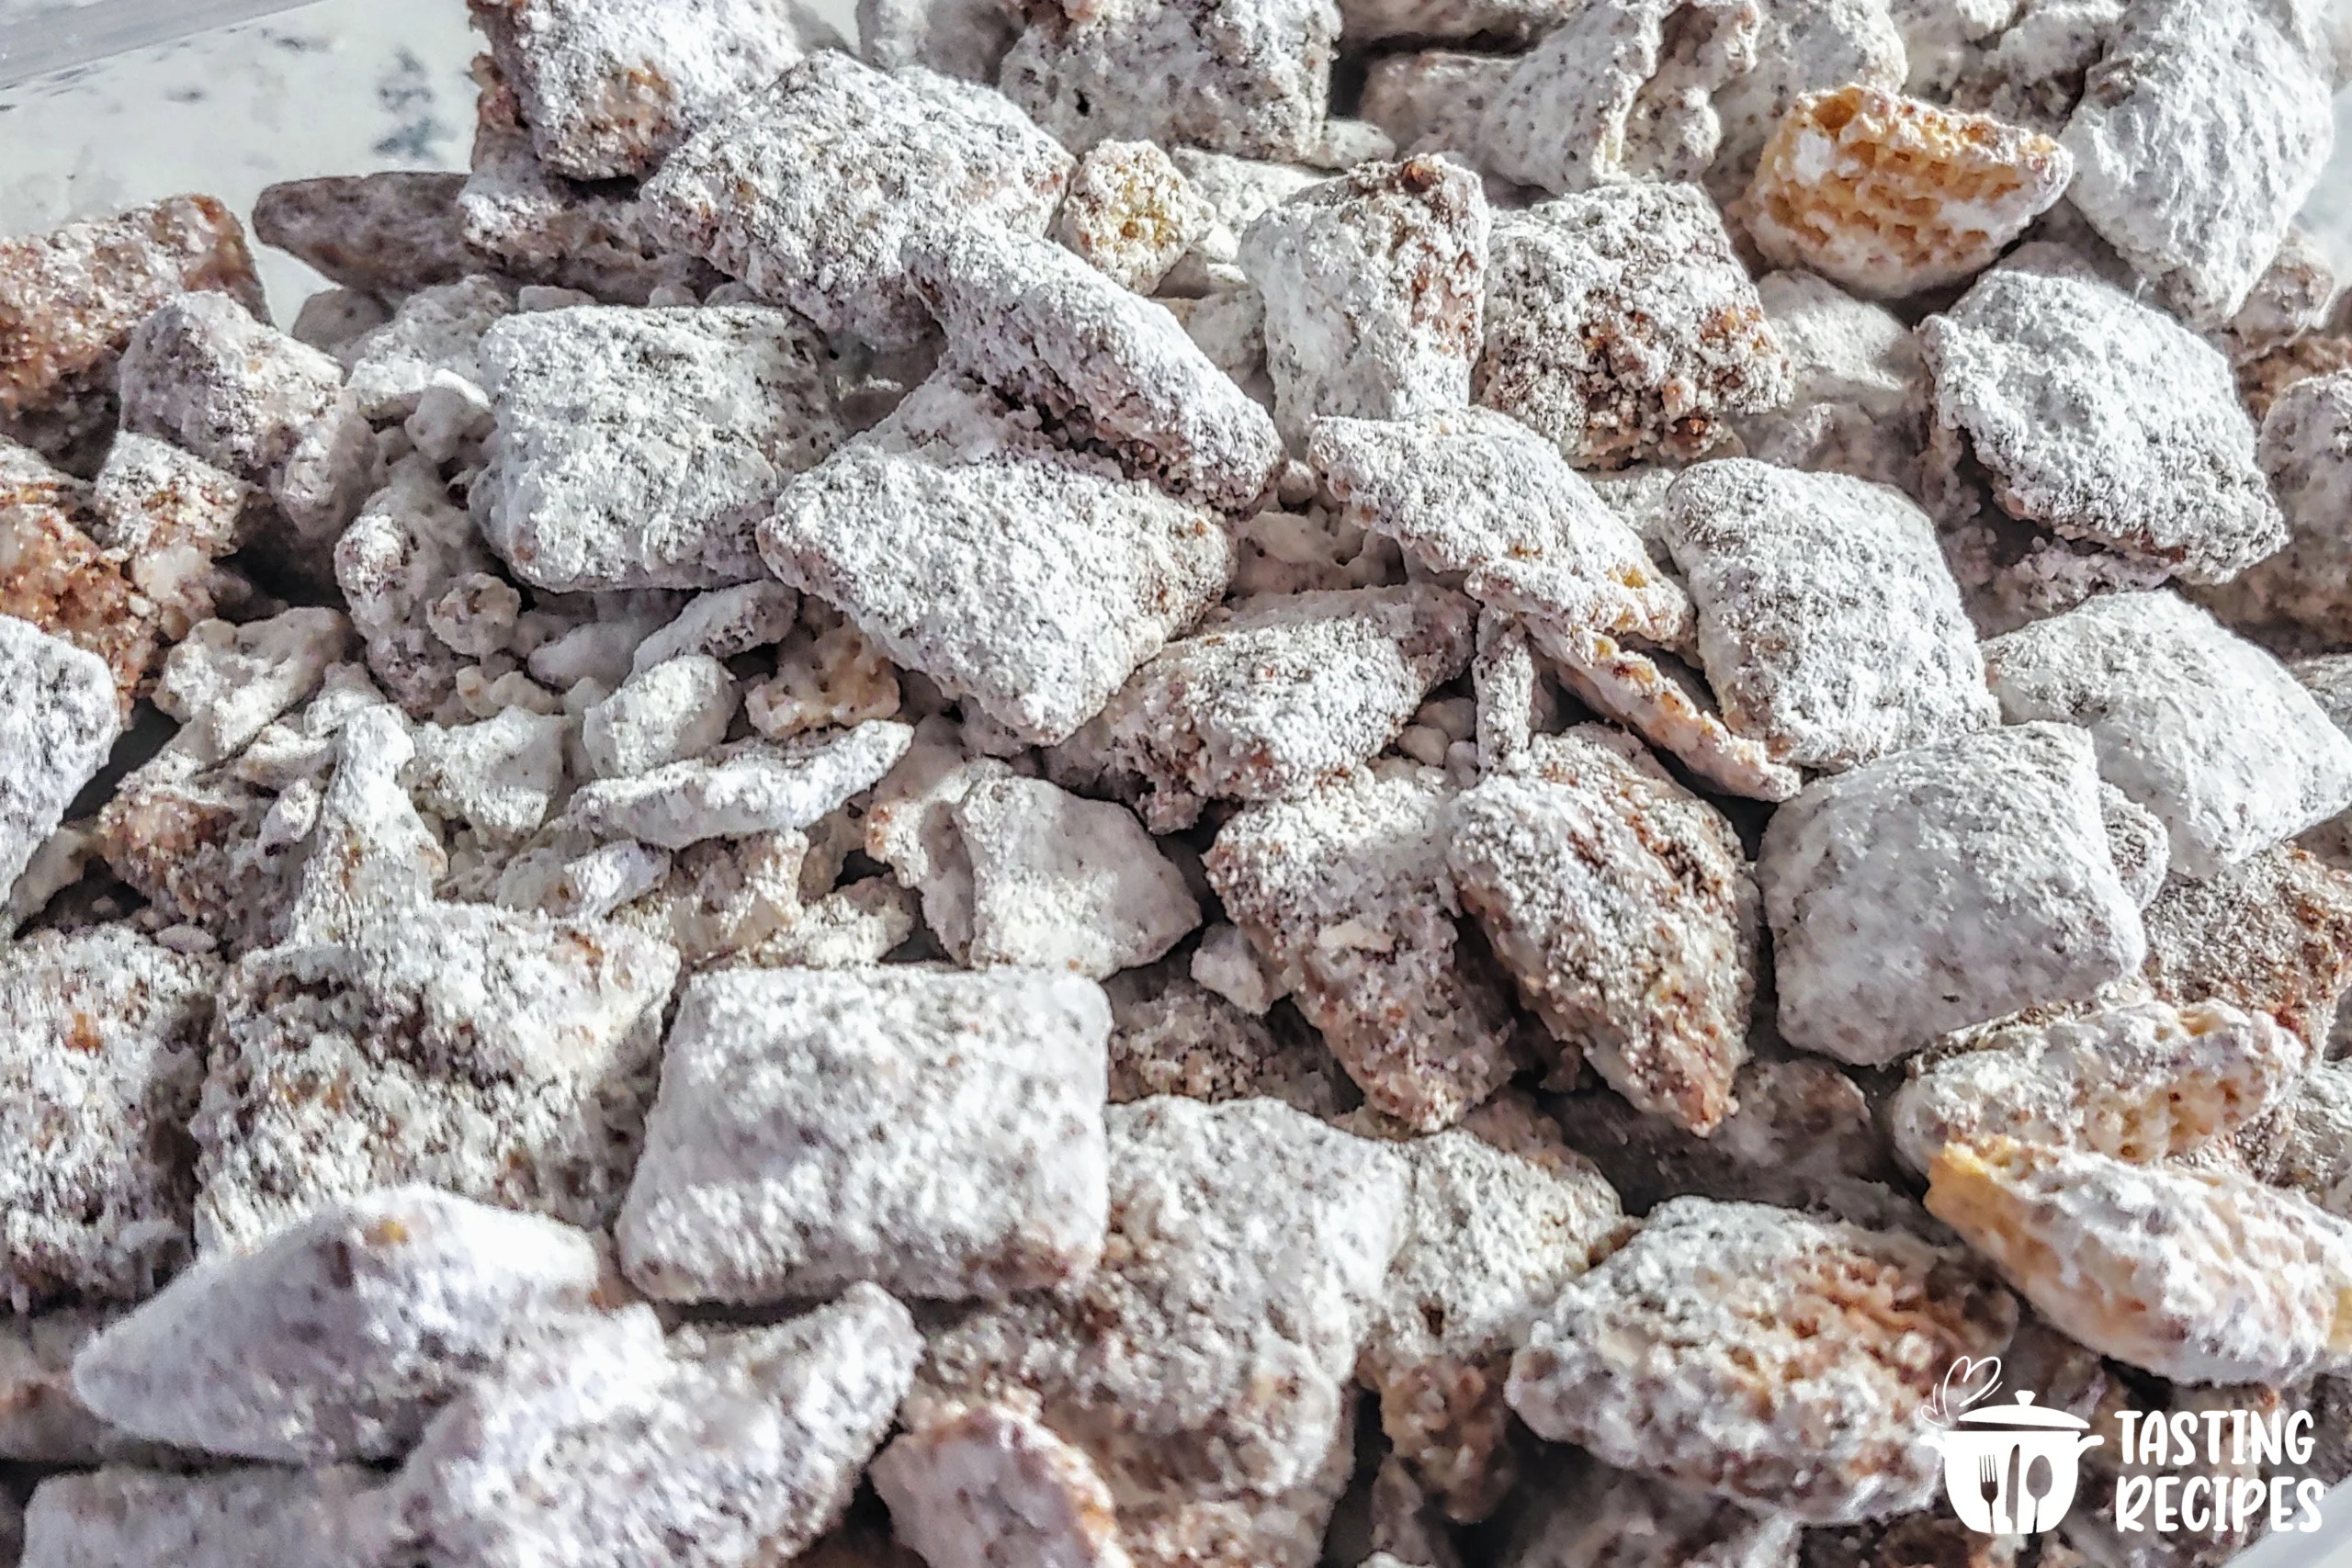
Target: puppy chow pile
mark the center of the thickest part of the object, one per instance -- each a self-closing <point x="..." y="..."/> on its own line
<point x="1187" y="783"/>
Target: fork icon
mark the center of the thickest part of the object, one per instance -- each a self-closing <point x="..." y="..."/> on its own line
<point x="1988" y="1486"/>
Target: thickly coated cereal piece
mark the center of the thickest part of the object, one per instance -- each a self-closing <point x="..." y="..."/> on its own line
<point x="1665" y="702"/>
<point x="1624" y="907"/>
<point x="1028" y="319"/>
<point x="724" y="1449"/>
<point x="59" y="580"/>
<point x="2306" y="450"/>
<point x="1763" y="1356"/>
<point x="1206" y="1356"/>
<point x="258" y="1517"/>
<point x="1619" y="91"/>
<point x="338" y="1338"/>
<point x="2200" y="131"/>
<point x="937" y="1133"/>
<point x="1806" y="46"/>
<point x="2145" y="1082"/>
<point x="501" y="776"/>
<point x="675" y="710"/>
<point x="1829" y="625"/>
<point x="541" y="228"/>
<point x="608" y="89"/>
<point x="410" y="545"/>
<point x="59" y="714"/>
<point x="1856" y="373"/>
<point x="1620" y="324"/>
<point x="1374" y="288"/>
<point x="808" y="189"/>
<point x="747" y="786"/>
<point x="1063" y="883"/>
<point x="1015" y="573"/>
<point x="1942" y="37"/>
<point x="722" y="624"/>
<point x="1284" y="1529"/>
<point x="1346" y="893"/>
<point x="2197" y="1275"/>
<point x="1612" y="1518"/>
<point x="101" y="1061"/>
<point x="992" y="1485"/>
<point x="436" y="334"/>
<point x="1943" y="887"/>
<point x="1131" y="213"/>
<point x="1891" y="196"/>
<point x="954" y="37"/>
<point x="2272" y="934"/>
<point x="226" y="682"/>
<point x="1251" y="77"/>
<point x="173" y="514"/>
<point x="385" y="234"/>
<point x="2204" y="729"/>
<point x="2317" y="1157"/>
<point x="910" y="828"/>
<point x="1432" y="100"/>
<point x="1473" y="492"/>
<point x="1174" y="1036"/>
<point x="2099" y="418"/>
<point x="637" y="448"/>
<point x="1272" y="696"/>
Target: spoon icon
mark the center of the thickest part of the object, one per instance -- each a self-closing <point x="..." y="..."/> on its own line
<point x="2038" y="1478"/>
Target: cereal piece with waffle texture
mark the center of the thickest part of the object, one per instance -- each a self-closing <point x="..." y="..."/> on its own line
<point x="385" y="234"/>
<point x="827" y="675"/>
<point x="1017" y="574"/>
<point x="1807" y="46"/>
<point x="808" y="189"/>
<point x="1624" y="907"/>
<point x="256" y="1517"/>
<point x="1891" y="196"/>
<point x="2204" y="728"/>
<point x="1829" y="625"/>
<point x="992" y="1485"/>
<point x="638" y="448"/>
<point x="1620" y="324"/>
<point x="1346" y="893"/>
<point x="1059" y="882"/>
<point x="1945" y="886"/>
<point x="1763" y="1355"/>
<point x="2271" y="934"/>
<point x="1131" y="214"/>
<point x="1374" y="287"/>
<point x="2197" y="1275"/>
<point x="59" y="715"/>
<point x="60" y="579"/>
<point x="1665" y="702"/>
<point x="2306" y="450"/>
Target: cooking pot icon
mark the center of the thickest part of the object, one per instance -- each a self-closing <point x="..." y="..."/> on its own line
<point x="2009" y="1469"/>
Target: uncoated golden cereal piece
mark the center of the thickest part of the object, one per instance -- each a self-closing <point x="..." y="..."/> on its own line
<point x="2197" y="1275"/>
<point x="1889" y="196"/>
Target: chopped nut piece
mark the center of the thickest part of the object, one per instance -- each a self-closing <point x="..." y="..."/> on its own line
<point x="2306" y="450"/>
<point x="59" y="714"/>
<point x="1726" y="1337"/>
<point x="2272" y="934"/>
<point x="57" y="579"/>
<point x="991" y="1485"/>
<point x="1131" y="213"/>
<point x="389" y="233"/>
<point x="1806" y="46"/>
<point x="258" y="1518"/>
<point x="1664" y="702"/>
<point x="1061" y="882"/>
<point x="750" y="786"/>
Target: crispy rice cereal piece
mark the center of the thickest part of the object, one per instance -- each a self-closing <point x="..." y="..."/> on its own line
<point x="1131" y="214"/>
<point x="338" y="1338"/>
<point x="1490" y="1239"/>
<point x="1473" y="492"/>
<point x="172" y="514"/>
<point x="1763" y="1356"/>
<point x="1374" y="287"/>
<point x="59" y="715"/>
<point x="1207" y="1357"/>
<point x="1346" y="893"/>
<point x="256" y="1517"/>
<point x="992" y="1485"/>
<point x="2204" y="729"/>
<point x="54" y="576"/>
<point x="2306" y="450"/>
<point x="1028" y="319"/>
<point x="2197" y="1275"/>
<point x="412" y="542"/>
<point x="1829" y="625"/>
<point x="637" y="448"/>
<point x="2317" y="1157"/>
<point x="1063" y="883"/>
<point x="1432" y="100"/>
<point x="1171" y="1035"/>
<point x="1613" y="1518"/>
<point x="2272" y="934"/>
<point x="2200" y="132"/>
<point x="385" y="234"/>
<point x="609" y="88"/>
<point x="1806" y="46"/>
<point x="70" y="299"/>
<point x="2099" y="418"/>
<point x="746" y="786"/>
<point x="1619" y="91"/>
<point x="1842" y="186"/>
<point x="1624" y="907"/>
<point x="1251" y="77"/>
<point x="1015" y="573"/>
<point x="810" y="188"/>
<point x="720" y="1450"/>
<point x="1945" y="886"/>
<point x="101" y="1061"/>
<point x="1271" y="697"/>
<point x="1664" y="702"/>
<point x="939" y="1133"/>
<point x="1621" y="325"/>
<point x="1856" y="373"/>
<point x="2145" y="1082"/>
<point x="676" y="710"/>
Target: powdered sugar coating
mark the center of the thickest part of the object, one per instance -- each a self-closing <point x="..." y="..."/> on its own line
<point x="2317" y="1158"/>
<point x="1432" y="100"/>
<point x="2306" y="451"/>
<point x="1174" y="1036"/>
<point x="1806" y="46"/>
<point x="746" y="786"/>
<point x="58" y="718"/>
<point x="386" y="233"/>
<point x="1857" y="374"/>
<point x="256" y="1517"/>
<point x="992" y="1485"/>
<point x="672" y="711"/>
<point x="1063" y="883"/>
<point x="1663" y="701"/>
<point x="2272" y="934"/>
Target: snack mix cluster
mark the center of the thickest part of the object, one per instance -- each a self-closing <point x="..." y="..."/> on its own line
<point x="1186" y="784"/>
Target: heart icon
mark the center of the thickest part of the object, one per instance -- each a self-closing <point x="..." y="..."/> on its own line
<point x="1967" y="1382"/>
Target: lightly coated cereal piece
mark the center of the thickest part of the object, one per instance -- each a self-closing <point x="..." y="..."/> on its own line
<point x="1248" y="1529"/>
<point x="1829" y="625"/>
<point x="261" y="1517"/>
<point x="2204" y="728"/>
<point x="1063" y="883"/>
<point x="409" y="545"/>
<point x="2317" y="1157"/>
<point x="173" y="514"/>
<point x="1025" y="577"/>
<point x="1174" y="1036"/>
<point x="339" y="1339"/>
<point x="638" y="448"/>
<point x="1621" y="325"/>
<point x="225" y="684"/>
<point x="2306" y="450"/>
<point x="386" y="235"/>
<point x="1625" y="909"/>
<point x="1432" y="100"/>
<point x="1843" y="183"/>
<point x="1131" y="214"/>
<point x="1374" y="287"/>
<point x="746" y="786"/>
<point x="2099" y="418"/>
<point x="2203" y="1276"/>
<point x="808" y="190"/>
<point x="722" y="1449"/>
<point x="722" y="624"/>
<point x="675" y="710"/>
<point x="57" y="577"/>
<point x="992" y="1485"/>
<point x="1660" y="699"/>
<point x="2271" y="934"/>
<point x="1510" y="22"/>
<point x="937" y="1133"/>
<point x="1345" y="891"/>
<point x="1943" y="887"/>
<point x="1806" y="46"/>
<point x="1763" y="1355"/>
<point x="59" y="715"/>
